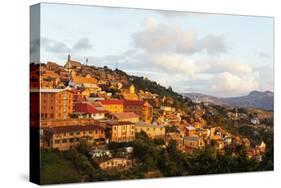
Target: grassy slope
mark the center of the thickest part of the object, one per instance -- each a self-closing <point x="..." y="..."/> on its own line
<point x="55" y="169"/>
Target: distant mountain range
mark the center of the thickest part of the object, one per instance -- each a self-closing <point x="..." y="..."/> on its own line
<point x="255" y="99"/>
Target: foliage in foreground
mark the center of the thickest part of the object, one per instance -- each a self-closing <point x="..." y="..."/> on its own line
<point x="76" y="166"/>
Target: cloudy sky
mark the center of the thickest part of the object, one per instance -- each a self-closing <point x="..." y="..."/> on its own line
<point x="220" y="55"/>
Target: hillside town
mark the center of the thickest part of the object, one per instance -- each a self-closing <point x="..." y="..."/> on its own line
<point x="77" y="103"/>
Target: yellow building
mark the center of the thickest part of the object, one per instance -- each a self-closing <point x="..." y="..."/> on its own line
<point x="190" y="130"/>
<point x="128" y="89"/>
<point x="152" y="131"/>
<point x="130" y="96"/>
<point x="194" y="142"/>
<point x="142" y="108"/>
<point x="129" y="92"/>
<point x="86" y="93"/>
<point x="67" y="137"/>
<point x="121" y="131"/>
<point x="81" y="80"/>
<point x="114" y="106"/>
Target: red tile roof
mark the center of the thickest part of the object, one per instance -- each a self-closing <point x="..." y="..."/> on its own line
<point x="125" y="115"/>
<point x="111" y="102"/>
<point x="133" y="102"/>
<point x="87" y="108"/>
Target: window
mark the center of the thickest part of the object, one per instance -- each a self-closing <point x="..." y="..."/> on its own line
<point x="90" y="132"/>
<point x="64" y="140"/>
<point x="57" y="141"/>
<point x="77" y="133"/>
<point x="71" y="134"/>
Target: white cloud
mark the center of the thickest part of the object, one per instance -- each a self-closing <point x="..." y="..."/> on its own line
<point x="232" y="66"/>
<point x="57" y="47"/>
<point x="82" y="44"/>
<point x="228" y="84"/>
<point x="150" y="23"/>
<point x="176" y="64"/>
<point x="158" y="37"/>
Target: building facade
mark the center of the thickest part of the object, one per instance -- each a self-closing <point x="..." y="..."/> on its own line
<point x="114" y="106"/>
<point x="194" y="142"/>
<point x="54" y="103"/>
<point x="152" y="131"/>
<point x="67" y="137"/>
<point x="121" y="131"/>
<point x="142" y="108"/>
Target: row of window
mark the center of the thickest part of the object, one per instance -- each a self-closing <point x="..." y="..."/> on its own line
<point x="78" y="133"/>
<point x="154" y="129"/>
<point x="123" y="128"/>
<point x="124" y="134"/>
<point x="70" y="140"/>
<point x="59" y="107"/>
<point x="51" y="115"/>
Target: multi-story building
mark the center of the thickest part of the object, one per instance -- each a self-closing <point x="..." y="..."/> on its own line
<point x="142" y="108"/>
<point x="194" y="142"/>
<point x="54" y="103"/>
<point x="121" y="131"/>
<point x="113" y="105"/>
<point x="152" y="131"/>
<point x="67" y="137"/>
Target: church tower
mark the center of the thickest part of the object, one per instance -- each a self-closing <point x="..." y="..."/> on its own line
<point x="68" y="58"/>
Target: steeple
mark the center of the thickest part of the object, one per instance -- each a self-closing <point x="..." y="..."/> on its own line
<point x="68" y="58"/>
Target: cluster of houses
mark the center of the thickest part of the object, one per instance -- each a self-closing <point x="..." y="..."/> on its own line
<point x="75" y="103"/>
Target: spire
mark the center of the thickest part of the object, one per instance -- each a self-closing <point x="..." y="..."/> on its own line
<point x="68" y="57"/>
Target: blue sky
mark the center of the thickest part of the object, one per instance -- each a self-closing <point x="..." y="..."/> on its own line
<point x="221" y="55"/>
